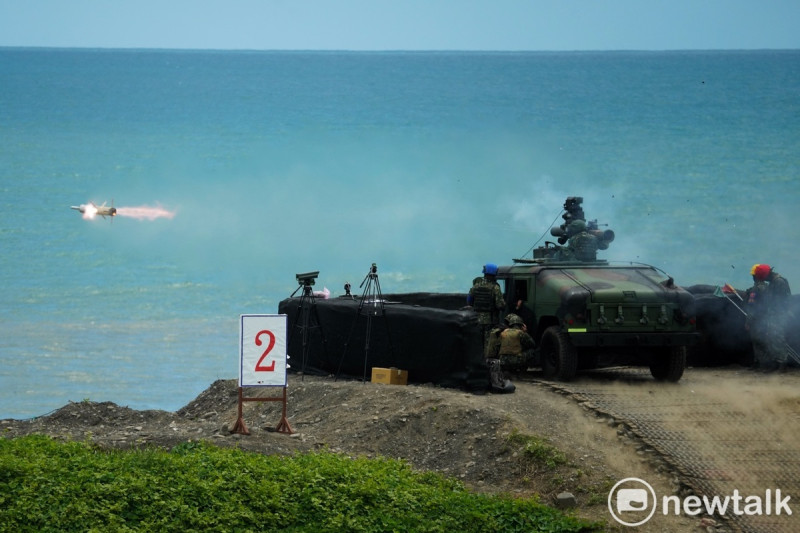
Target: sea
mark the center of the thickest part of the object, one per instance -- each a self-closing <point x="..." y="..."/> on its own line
<point x="234" y="171"/>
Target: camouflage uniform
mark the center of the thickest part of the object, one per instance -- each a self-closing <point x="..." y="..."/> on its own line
<point x="756" y="323"/>
<point x="516" y="346"/>
<point x="486" y="298"/>
<point x="584" y="246"/>
<point x="581" y="245"/>
<point x="497" y="379"/>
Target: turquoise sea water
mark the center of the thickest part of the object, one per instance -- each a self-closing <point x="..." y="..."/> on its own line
<point x="428" y="164"/>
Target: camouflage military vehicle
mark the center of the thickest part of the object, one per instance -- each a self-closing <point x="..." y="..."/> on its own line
<point x="584" y="312"/>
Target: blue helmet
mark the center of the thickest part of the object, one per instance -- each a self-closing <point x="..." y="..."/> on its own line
<point x="490" y="268"/>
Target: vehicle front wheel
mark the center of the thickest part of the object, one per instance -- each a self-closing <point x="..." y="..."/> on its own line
<point x="669" y="366"/>
<point x="559" y="356"/>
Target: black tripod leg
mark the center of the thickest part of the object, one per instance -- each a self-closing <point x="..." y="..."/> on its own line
<point x="366" y="345"/>
<point x="303" y="314"/>
<point x="349" y="336"/>
<point x="321" y="331"/>
<point x="385" y="320"/>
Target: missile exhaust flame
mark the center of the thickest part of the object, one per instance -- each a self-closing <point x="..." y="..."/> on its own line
<point x="89" y="212"/>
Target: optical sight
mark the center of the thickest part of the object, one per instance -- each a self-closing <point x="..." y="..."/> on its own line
<point x="307" y="278"/>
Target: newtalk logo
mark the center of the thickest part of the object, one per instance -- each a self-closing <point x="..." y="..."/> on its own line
<point x="633" y="502"/>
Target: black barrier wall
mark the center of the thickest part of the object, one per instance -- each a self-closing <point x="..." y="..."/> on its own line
<point x="437" y="341"/>
<point x="440" y="346"/>
<point x="721" y="323"/>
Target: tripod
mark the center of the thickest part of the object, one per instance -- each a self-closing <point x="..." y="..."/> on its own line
<point x="308" y="317"/>
<point x="372" y="294"/>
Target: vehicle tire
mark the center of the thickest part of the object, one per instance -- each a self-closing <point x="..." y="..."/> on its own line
<point x="669" y="366"/>
<point x="559" y="356"/>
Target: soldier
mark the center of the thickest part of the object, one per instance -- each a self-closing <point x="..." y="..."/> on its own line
<point x="755" y="323"/>
<point x="582" y="243"/>
<point x="486" y="299"/>
<point x="516" y="346"/>
<point x="776" y="309"/>
<point x="492" y="349"/>
<point x="497" y="379"/>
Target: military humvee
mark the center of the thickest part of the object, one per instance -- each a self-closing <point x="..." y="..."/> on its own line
<point x="584" y="312"/>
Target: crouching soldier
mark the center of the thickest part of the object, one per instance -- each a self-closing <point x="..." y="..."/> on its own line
<point x="516" y="346"/>
<point x="497" y="379"/>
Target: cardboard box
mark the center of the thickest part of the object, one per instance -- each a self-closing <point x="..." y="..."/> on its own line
<point x="390" y="376"/>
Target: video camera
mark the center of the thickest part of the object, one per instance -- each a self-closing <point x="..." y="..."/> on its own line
<point x="307" y="278"/>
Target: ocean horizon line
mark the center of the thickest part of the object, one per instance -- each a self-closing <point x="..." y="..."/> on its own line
<point x="388" y="51"/>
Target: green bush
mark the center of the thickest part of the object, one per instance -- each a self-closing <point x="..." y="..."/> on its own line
<point x="46" y="485"/>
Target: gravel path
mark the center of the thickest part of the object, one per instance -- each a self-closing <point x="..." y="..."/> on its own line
<point x="723" y="430"/>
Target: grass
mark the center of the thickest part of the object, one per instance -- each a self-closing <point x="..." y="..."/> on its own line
<point x="538" y="450"/>
<point x="542" y="460"/>
<point x="46" y="485"/>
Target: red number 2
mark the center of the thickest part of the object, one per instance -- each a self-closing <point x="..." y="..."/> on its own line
<point x="259" y="366"/>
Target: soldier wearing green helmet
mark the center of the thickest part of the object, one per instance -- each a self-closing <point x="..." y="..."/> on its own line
<point x="497" y="379"/>
<point x="516" y="345"/>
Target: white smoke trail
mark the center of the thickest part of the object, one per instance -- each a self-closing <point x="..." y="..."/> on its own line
<point x="145" y="212"/>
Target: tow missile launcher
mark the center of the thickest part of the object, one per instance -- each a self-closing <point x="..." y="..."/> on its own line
<point x="586" y="313"/>
<point x="571" y="232"/>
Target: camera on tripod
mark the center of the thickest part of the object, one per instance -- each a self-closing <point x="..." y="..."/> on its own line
<point x="307" y="278"/>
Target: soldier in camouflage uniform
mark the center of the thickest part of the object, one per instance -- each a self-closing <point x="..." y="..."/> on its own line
<point x="492" y="349"/>
<point x="771" y="316"/>
<point x="516" y="346"/>
<point x="582" y="244"/>
<point x="755" y="321"/>
<point x="497" y="378"/>
<point x="486" y="299"/>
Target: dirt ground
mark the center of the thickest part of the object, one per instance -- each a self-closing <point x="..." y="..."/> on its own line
<point x="462" y="435"/>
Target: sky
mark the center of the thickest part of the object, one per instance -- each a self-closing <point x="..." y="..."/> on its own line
<point x="379" y="25"/>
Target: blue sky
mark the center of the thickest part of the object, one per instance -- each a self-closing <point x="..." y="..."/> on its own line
<point x="403" y="24"/>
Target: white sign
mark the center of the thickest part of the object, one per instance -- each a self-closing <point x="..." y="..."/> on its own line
<point x="262" y="349"/>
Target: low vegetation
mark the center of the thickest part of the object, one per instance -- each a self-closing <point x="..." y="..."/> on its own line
<point x="47" y="485"/>
<point x="538" y="450"/>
